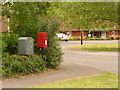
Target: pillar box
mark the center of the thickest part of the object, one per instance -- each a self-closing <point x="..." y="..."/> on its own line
<point x="42" y="40"/>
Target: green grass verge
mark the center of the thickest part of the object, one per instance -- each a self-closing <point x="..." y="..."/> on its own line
<point x="97" y="47"/>
<point x="107" y="80"/>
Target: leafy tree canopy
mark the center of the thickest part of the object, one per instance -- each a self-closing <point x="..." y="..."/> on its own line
<point x="24" y="16"/>
<point x="84" y="14"/>
<point x="79" y="15"/>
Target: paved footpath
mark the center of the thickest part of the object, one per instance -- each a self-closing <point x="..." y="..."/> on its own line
<point x="66" y="71"/>
<point x="75" y="64"/>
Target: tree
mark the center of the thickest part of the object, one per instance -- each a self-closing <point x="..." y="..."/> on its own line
<point x="24" y="16"/>
<point x="83" y="15"/>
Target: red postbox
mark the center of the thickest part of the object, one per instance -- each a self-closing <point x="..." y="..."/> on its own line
<point x="42" y="40"/>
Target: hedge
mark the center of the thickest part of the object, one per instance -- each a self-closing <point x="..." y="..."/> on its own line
<point x="13" y="65"/>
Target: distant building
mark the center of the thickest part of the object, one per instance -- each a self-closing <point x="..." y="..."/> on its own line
<point x="92" y="33"/>
<point x="4" y="24"/>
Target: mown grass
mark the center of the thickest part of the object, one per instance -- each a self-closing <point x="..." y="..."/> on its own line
<point x="98" y="47"/>
<point x="107" y="80"/>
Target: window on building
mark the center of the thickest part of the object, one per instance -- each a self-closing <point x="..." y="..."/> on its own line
<point x="113" y="33"/>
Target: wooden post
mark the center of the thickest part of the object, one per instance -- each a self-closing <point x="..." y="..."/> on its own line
<point x="81" y="37"/>
<point x="42" y="51"/>
<point x="93" y="34"/>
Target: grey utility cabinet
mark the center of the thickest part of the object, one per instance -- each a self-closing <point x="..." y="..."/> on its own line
<point x="25" y="46"/>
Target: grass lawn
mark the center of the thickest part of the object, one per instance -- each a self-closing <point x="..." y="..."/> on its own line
<point x="107" y="80"/>
<point x="97" y="47"/>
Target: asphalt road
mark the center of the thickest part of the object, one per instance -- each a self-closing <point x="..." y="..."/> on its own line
<point x="75" y="64"/>
<point x="106" y="61"/>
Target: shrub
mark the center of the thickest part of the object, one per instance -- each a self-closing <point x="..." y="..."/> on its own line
<point x="52" y="54"/>
<point x="3" y="44"/>
<point x="87" y="38"/>
<point x="71" y="38"/>
<point x="10" y="43"/>
<point x="97" y="38"/>
<point x="108" y="38"/>
<point x="74" y="38"/>
<point x="116" y="37"/>
<point x="16" y="64"/>
<point x="58" y="38"/>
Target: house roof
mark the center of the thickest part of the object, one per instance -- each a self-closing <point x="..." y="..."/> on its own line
<point x="98" y="29"/>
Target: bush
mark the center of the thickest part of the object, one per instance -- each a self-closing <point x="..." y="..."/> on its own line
<point x="53" y="53"/>
<point x="90" y="38"/>
<point x="87" y="38"/>
<point x="58" y="38"/>
<point x="71" y="38"/>
<point x="97" y="38"/>
<point x="108" y="38"/>
<point x="16" y="64"/>
<point x="74" y="38"/>
<point x="10" y="43"/>
<point x="116" y="37"/>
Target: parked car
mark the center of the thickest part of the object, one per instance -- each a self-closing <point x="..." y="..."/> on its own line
<point x="62" y="36"/>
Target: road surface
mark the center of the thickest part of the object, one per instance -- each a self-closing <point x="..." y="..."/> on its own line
<point x="106" y="61"/>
